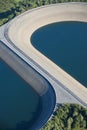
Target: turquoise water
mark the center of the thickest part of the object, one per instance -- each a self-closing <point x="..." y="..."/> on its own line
<point x="65" y="43"/>
<point x="19" y="104"/>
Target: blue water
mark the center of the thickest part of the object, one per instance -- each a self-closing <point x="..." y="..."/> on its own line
<point x="19" y="103"/>
<point x="65" y="43"/>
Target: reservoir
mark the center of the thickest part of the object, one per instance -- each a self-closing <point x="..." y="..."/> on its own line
<point x="19" y="103"/>
<point x="65" y="43"/>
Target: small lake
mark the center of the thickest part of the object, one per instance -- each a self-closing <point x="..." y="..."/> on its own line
<point x="19" y="103"/>
<point x="65" y="43"/>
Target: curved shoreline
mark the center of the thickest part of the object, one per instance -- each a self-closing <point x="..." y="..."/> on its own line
<point x="28" y="22"/>
<point x="39" y="84"/>
<point x="16" y="35"/>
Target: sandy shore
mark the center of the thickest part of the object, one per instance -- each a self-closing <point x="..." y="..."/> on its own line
<point x="19" y="31"/>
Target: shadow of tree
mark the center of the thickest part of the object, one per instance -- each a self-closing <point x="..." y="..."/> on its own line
<point x="11" y="12"/>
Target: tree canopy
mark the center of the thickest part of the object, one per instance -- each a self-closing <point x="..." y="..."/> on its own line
<point x="11" y="8"/>
<point x="68" y="117"/>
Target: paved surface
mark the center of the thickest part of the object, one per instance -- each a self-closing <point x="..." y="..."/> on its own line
<point x="16" y="35"/>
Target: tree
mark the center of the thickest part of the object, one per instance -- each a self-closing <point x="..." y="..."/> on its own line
<point x="69" y="123"/>
<point x="68" y="117"/>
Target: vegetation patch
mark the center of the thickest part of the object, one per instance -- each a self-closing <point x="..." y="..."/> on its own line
<point x="11" y="8"/>
<point x="68" y="117"/>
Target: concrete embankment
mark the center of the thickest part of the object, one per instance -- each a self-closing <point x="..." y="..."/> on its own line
<point x="37" y="82"/>
<point x="19" y="31"/>
<point x="16" y="35"/>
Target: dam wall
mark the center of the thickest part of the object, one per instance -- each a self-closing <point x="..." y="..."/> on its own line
<point x="16" y="49"/>
<point x="19" y="32"/>
<point x="40" y="85"/>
